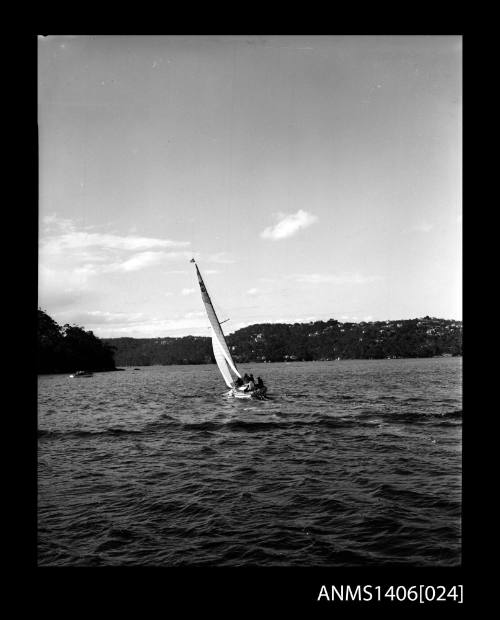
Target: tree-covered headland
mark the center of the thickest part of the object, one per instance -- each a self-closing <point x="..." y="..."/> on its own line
<point x="70" y="348"/>
<point x="319" y="340"/>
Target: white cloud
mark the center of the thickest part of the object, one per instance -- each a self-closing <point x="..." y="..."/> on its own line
<point x="138" y="325"/>
<point x="288" y="225"/>
<point x="187" y="291"/>
<point x="252" y="291"/>
<point x="75" y="240"/>
<point x="144" y="259"/>
<point x="61" y="235"/>
<point x="72" y="261"/>
<point x="61" y="245"/>
<point x="155" y="328"/>
<point x="99" y="317"/>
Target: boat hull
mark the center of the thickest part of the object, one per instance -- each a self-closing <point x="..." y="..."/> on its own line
<point x="255" y="394"/>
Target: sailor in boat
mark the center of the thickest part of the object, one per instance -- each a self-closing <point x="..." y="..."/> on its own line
<point x="260" y="388"/>
<point x="241" y="384"/>
<point x="250" y="386"/>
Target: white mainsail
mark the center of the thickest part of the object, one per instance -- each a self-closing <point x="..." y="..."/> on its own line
<point x="221" y="361"/>
<point x="221" y="352"/>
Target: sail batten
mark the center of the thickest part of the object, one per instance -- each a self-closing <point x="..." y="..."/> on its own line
<point x="221" y="351"/>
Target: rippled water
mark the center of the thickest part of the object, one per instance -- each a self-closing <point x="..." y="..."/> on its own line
<point x="351" y="463"/>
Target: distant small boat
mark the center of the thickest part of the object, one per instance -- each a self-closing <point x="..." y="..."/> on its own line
<point x="222" y="355"/>
<point x="81" y="373"/>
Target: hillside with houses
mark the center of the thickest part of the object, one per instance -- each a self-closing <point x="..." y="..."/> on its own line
<point x="318" y="340"/>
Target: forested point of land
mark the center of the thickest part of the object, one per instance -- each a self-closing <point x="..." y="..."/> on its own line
<point x="318" y="340"/>
<point x="69" y="348"/>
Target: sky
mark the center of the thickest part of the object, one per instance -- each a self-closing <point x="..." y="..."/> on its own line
<point x="312" y="177"/>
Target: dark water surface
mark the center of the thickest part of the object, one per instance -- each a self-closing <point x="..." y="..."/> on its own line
<point x="354" y="462"/>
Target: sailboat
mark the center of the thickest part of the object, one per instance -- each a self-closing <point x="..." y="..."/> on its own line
<point x="222" y="354"/>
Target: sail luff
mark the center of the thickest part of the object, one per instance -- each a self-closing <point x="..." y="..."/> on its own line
<point x="217" y="332"/>
<point x="221" y="361"/>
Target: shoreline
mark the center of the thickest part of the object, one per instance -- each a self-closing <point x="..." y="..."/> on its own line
<point x="346" y="359"/>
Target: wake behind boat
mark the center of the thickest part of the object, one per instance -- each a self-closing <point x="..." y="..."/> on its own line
<point x="241" y="387"/>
